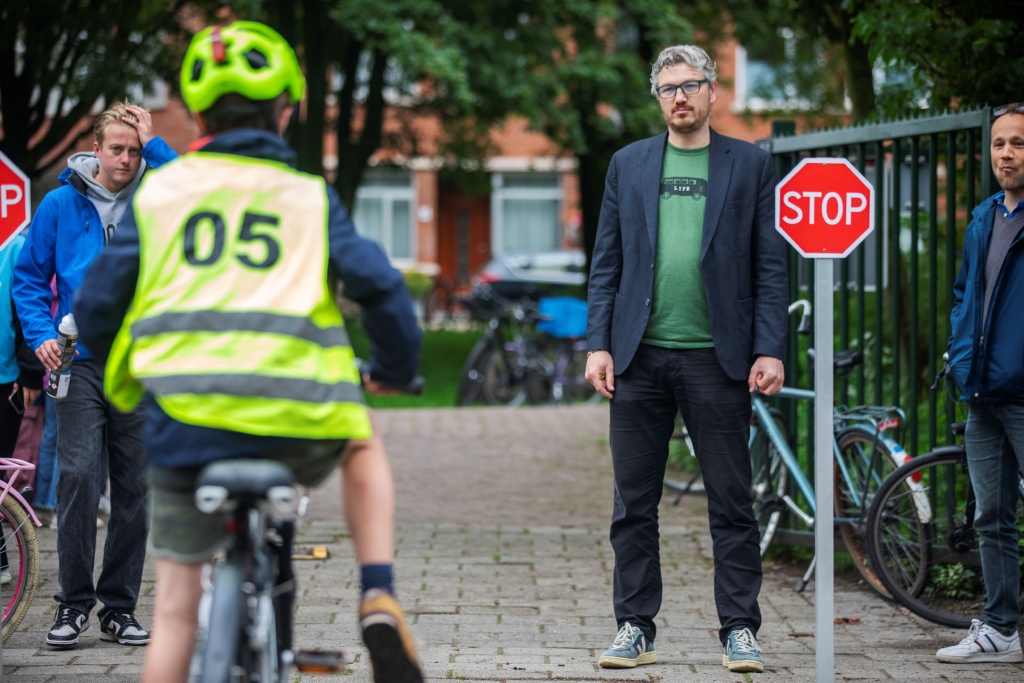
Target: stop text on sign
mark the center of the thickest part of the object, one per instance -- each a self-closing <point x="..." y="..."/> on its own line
<point x="10" y="195"/>
<point x="833" y="208"/>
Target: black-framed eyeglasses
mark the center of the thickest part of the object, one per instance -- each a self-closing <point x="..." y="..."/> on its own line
<point x="667" y="92"/>
<point x="1013" y="108"/>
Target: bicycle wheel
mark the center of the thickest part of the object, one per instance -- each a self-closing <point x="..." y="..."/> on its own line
<point x="922" y="540"/>
<point x="769" y="478"/>
<point x="471" y="379"/>
<point x="500" y="385"/>
<point x="868" y="461"/>
<point x="21" y="550"/>
<point x="219" y="647"/>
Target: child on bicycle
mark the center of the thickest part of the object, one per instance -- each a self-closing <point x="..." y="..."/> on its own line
<point x="223" y="275"/>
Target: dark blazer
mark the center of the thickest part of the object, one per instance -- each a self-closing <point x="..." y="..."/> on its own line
<point x="743" y="257"/>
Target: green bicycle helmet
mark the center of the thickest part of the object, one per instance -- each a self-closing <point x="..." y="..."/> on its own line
<point x="245" y="58"/>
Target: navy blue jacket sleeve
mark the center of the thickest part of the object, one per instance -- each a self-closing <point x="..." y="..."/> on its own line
<point x="107" y="291"/>
<point x="387" y="309"/>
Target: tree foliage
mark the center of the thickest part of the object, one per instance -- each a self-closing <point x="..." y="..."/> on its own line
<point x="956" y="53"/>
<point x="59" y="59"/>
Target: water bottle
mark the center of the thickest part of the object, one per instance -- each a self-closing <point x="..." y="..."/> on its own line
<point x="67" y="338"/>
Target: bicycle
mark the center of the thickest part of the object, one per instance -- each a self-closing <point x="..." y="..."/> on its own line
<point x="864" y="449"/>
<point x="19" y="547"/>
<point x="922" y="539"/>
<point x="245" y="614"/>
<point x="525" y="356"/>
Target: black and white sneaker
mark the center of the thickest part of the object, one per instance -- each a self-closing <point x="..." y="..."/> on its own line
<point x="68" y="624"/>
<point x="121" y="626"/>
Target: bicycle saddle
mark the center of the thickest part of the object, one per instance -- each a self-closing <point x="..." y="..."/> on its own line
<point x="243" y="481"/>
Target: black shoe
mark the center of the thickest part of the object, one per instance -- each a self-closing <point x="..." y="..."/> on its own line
<point x="68" y="624"/>
<point x="121" y="626"/>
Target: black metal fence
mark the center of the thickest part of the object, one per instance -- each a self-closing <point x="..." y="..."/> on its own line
<point x="893" y="294"/>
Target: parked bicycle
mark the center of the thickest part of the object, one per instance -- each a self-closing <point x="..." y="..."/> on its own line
<point x="19" y="549"/>
<point x="526" y="355"/>
<point x="866" y="449"/>
<point x="921" y="537"/>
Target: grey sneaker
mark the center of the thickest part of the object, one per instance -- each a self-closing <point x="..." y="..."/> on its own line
<point x="631" y="648"/>
<point x="120" y="626"/>
<point x="742" y="652"/>
<point x="68" y="624"/>
<point x="983" y="644"/>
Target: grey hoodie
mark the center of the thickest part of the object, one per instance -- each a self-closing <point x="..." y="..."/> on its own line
<point x="110" y="205"/>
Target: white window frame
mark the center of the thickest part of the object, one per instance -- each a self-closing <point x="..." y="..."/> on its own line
<point x="388" y="195"/>
<point x="500" y="193"/>
<point x="743" y="102"/>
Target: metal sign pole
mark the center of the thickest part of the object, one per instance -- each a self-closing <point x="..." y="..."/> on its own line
<point x="824" y="533"/>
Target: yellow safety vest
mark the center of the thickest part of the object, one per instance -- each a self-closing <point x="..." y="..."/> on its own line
<point x="233" y="325"/>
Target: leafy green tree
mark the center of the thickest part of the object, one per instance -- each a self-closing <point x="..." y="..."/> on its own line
<point x="61" y="58"/>
<point x="827" y="62"/>
<point x="955" y="52"/>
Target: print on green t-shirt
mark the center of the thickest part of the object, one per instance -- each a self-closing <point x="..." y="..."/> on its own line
<point x="679" y="312"/>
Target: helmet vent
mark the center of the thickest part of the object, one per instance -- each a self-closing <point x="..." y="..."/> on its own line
<point x="197" y="70"/>
<point x="257" y="60"/>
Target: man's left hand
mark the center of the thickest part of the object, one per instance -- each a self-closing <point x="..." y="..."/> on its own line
<point x="767" y="375"/>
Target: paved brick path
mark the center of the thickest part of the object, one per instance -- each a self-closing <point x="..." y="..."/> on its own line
<point x="505" y="569"/>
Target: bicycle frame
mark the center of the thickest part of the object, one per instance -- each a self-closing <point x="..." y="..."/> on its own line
<point x="16" y="466"/>
<point x="875" y="420"/>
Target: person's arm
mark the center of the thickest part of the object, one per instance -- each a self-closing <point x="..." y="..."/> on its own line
<point x="605" y="275"/>
<point x="32" y="274"/>
<point x="102" y="301"/>
<point x="605" y="265"/>
<point x="960" y="286"/>
<point x="771" y="272"/>
<point x="387" y="309"/>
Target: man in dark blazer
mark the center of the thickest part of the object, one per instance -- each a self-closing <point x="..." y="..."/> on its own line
<point x="687" y="313"/>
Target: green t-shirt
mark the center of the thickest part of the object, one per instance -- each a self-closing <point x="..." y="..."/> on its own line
<point x="679" y="313"/>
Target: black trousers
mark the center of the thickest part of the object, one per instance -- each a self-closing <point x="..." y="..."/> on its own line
<point x="716" y="410"/>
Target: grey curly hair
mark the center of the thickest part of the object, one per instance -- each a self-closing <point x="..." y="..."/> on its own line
<point x="690" y="55"/>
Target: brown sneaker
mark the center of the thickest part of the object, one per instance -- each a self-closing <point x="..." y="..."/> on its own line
<point x="388" y="639"/>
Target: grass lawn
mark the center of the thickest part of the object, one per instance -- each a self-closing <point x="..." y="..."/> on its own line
<point x="444" y="353"/>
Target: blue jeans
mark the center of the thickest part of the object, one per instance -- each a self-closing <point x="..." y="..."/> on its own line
<point x="657" y="385"/>
<point x="86" y="423"/>
<point x="47" y="472"/>
<point x="995" y="455"/>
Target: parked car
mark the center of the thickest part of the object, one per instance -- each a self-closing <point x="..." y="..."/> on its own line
<point x="517" y="276"/>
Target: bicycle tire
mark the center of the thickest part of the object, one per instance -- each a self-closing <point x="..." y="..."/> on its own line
<point x="769" y="479"/>
<point x="19" y="537"/>
<point x="499" y="386"/>
<point x="219" y="649"/>
<point x="869" y="458"/>
<point x="920" y="545"/>
<point x="470" y="381"/>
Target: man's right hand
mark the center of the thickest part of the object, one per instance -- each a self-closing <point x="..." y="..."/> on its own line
<point x="601" y="372"/>
<point x="49" y="354"/>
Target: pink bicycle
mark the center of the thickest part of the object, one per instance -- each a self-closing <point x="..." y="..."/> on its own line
<point x="19" y="549"/>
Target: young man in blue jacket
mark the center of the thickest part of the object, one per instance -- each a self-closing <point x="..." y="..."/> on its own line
<point x="69" y="230"/>
<point x="215" y="307"/>
<point x="986" y="355"/>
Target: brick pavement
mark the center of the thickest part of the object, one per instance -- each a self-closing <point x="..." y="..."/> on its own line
<point x="505" y="569"/>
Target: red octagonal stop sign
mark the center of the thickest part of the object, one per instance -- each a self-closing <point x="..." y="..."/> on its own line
<point x="14" y="200"/>
<point x="824" y="207"/>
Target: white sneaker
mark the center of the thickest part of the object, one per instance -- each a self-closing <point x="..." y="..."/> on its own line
<point x="983" y="644"/>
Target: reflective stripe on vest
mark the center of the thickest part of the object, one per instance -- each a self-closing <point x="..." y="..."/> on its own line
<point x="233" y="325"/>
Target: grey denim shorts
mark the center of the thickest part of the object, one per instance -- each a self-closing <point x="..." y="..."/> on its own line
<point x="181" y="533"/>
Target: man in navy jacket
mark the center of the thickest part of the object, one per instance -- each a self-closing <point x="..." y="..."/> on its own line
<point x="687" y="314"/>
<point x="986" y="356"/>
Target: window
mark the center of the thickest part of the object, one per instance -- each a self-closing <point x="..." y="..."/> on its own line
<point x="525" y="209"/>
<point x="777" y="71"/>
<point x="384" y="212"/>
